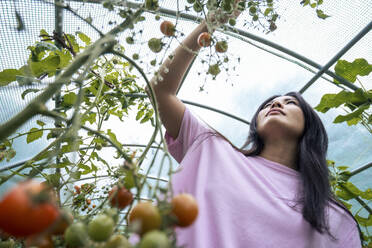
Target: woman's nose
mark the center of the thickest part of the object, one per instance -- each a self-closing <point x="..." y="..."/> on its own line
<point x="276" y="103"/>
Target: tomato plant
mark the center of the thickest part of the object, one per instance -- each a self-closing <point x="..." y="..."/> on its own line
<point x="29" y="208"/>
<point x="185" y="208"/>
<point x="146" y="216"/>
<point x="167" y="28"/>
<point x="120" y="197"/>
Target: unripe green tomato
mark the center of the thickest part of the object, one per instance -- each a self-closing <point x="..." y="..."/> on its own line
<point x="155" y="45"/>
<point x="198" y="7"/>
<point x="129" y="40"/>
<point x="157" y="17"/>
<point x="76" y="235"/>
<point x="214" y="69"/>
<point x="101" y="228"/>
<point x="154" y="239"/>
<point x="117" y="241"/>
<point x="135" y="56"/>
<point x="153" y="62"/>
<point x="232" y="21"/>
<point x="255" y="18"/>
<point x="252" y="10"/>
<point x="191" y="1"/>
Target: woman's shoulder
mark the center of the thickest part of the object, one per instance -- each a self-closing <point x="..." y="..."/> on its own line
<point x="341" y="216"/>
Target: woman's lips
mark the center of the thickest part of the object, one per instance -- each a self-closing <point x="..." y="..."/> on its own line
<point x="274" y="111"/>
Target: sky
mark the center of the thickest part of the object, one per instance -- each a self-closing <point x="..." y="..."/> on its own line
<point x="258" y="75"/>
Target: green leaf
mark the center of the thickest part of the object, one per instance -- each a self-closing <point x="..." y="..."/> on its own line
<point x="140" y="114"/>
<point x="113" y="138"/>
<point x="344" y="195"/>
<point x="65" y="58"/>
<point x="364" y="221"/>
<point x="34" y="134"/>
<point x="129" y="180"/>
<point x="54" y="179"/>
<point x="40" y="123"/>
<point x="321" y="14"/>
<point x="72" y="40"/>
<point x="47" y="65"/>
<point x="267" y="11"/>
<point x="342" y="168"/>
<point x="366" y="194"/>
<point x="91" y="117"/>
<point x="305" y="2"/>
<point x="75" y="175"/>
<point x="84" y="38"/>
<point x="24" y="93"/>
<point x="69" y="99"/>
<point x="83" y="166"/>
<point x="332" y="101"/>
<point x="352" y="118"/>
<point x="8" y="75"/>
<point x="349" y="71"/>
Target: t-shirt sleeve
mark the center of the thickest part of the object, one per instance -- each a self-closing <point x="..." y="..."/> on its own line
<point x="352" y="239"/>
<point x="191" y="129"/>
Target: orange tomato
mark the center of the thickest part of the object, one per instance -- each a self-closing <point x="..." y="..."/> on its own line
<point x="204" y="39"/>
<point x="167" y="28"/>
<point x="147" y="215"/>
<point x="185" y="208"/>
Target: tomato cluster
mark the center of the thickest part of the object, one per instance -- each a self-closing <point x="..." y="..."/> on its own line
<point x="29" y="213"/>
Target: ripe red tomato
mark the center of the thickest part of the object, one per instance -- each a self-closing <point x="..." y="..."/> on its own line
<point x="147" y="215"/>
<point x="29" y="208"/>
<point x="120" y="197"/>
<point x="185" y="208"/>
<point x="167" y="28"/>
<point x="204" y="39"/>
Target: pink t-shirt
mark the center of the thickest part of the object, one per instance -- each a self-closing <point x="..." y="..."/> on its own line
<point x="244" y="201"/>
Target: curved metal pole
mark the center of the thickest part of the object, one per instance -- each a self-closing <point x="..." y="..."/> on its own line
<point x="351" y="43"/>
<point x="198" y="105"/>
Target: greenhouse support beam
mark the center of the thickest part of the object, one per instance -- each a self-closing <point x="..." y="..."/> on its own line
<point x="349" y="45"/>
<point x="360" y="169"/>
<point x="173" y="14"/>
<point x="198" y="105"/>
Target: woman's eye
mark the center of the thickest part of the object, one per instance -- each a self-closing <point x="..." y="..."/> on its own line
<point x="292" y="102"/>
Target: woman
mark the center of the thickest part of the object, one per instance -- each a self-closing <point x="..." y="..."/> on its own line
<point x="275" y="194"/>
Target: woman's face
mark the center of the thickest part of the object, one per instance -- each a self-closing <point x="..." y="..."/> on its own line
<point x="282" y="117"/>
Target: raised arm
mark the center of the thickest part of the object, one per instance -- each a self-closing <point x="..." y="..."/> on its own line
<point x="170" y="108"/>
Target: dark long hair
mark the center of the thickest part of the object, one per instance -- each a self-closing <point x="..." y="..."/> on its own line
<point x="311" y="164"/>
